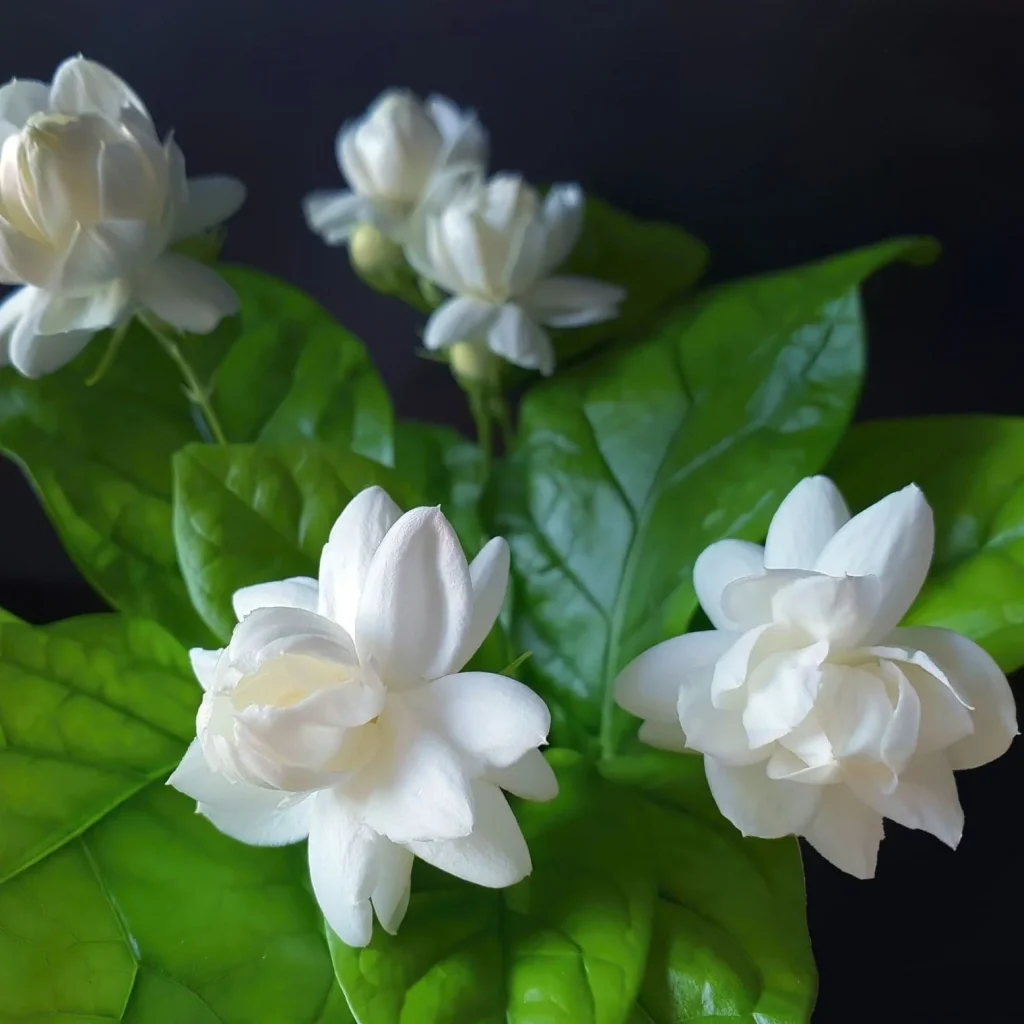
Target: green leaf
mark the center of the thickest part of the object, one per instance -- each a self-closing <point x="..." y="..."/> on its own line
<point x="730" y="937"/>
<point x="447" y="470"/>
<point x="971" y="469"/>
<point x="656" y="263"/>
<point x="566" y="946"/>
<point x="247" y="514"/>
<point x="91" y="710"/>
<point x="631" y="464"/>
<point x="152" y="917"/>
<point x="100" y="457"/>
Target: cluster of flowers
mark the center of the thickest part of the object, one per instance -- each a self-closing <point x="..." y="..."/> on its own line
<point x="339" y="711"/>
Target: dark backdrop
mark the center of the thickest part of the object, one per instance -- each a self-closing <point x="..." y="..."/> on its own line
<point x="778" y="131"/>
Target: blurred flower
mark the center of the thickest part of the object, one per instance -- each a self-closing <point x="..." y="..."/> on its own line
<point x="338" y="712"/>
<point x="89" y="203"/>
<point x="494" y="246"/>
<point x="401" y="154"/>
<point x="816" y="715"/>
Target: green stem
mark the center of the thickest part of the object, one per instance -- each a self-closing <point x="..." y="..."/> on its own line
<point x="195" y="391"/>
<point x="482" y="418"/>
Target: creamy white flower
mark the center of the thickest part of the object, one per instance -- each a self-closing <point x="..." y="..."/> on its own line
<point x="495" y="246"/>
<point x="338" y="711"/>
<point x="816" y="714"/>
<point x="401" y="154"/>
<point x="90" y="200"/>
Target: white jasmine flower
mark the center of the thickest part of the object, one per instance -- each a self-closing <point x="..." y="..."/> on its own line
<point x="90" y="200"/>
<point x="401" y="154"/>
<point x="338" y="712"/>
<point x="495" y="247"/>
<point x="816" y="714"/>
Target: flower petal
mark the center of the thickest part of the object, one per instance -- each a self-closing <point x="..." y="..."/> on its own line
<point x="82" y="86"/>
<point x="267" y="633"/>
<point x="809" y="516"/>
<point x="664" y="736"/>
<point x="204" y="665"/>
<point x="713" y="731"/>
<point x="416" y="786"/>
<point x="976" y="677"/>
<point x="893" y="540"/>
<point x="489" y="718"/>
<point x="12" y="308"/>
<point x="390" y="897"/>
<point x="417" y="600"/>
<point x="23" y="260"/>
<point x="563" y="220"/>
<point x="842" y="609"/>
<point x="350" y="548"/>
<point x="531" y="777"/>
<point x="185" y="294"/>
<point x="488" y="573"/>
<point x="20" y="98"/>
<point x="572" y="301"/>
<point x="342" y="869"/>
<point x="649" y="686"/>
<point x="465" y="140"/>
<point x="855" y="712"/>
<point x="335" y="215"/>
<point x="494" y="855"/>
<point x="925" y="798"/>
<point x="716" y="567"/>
<point x="520" y="341"/>
<point x="846" y="832"/>
<point x="781" y="691"/>
<point x="458" y="319"/>
<point x="250" y="814"/>
<point x="757" y="805"/>
<point x="34" y="355"/>
<point x="212" y="199"/>
<point x="297" y="592"/>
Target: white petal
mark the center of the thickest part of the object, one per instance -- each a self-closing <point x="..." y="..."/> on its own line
<point x="855" y="711"/>
<point x="267" y="633"/>
<point x="465" y="140"/>
<point x="494" y="855"/>
<point x="212" y="199"/>
<point x="925" y="798"/>
<point x="747" y="650"/>
<point x="781" y="691"/>
<point x="185" y="294"/>
<point x="649" y="686"/>
<point x="563" y="221"/>
<point x="390" y="897"/>
<point x="747" y="601"/>
<point x="488" y="573"/>
<point x="12" y="308"/>
<point x="297" y="592"/>
<point x="100" y="307"/>
<point x="489" y="718"/>
<point x="809" y="516"/>
<point x="204" y="665"/>
<point x="899" y="742"/>
<point x="572" y="301"/>
<point x="531" y="777"/>
<point x="342" y="868"/>
<point x="335" y="215"/>
<point x="20" y="98"/>
<point x="417" y="600"/>
<point x="975" y="676"/>
<point x="716" y="567"/>
<point x="23" y="260"/>
<point x="35" y="355"/>
<point x="846" y="832"/>
<point x="416" y="787"/>
<point x="520" y="341"/>
<point x="713" y="731"/>
<point x="664" y="736"/>
<point x="842" y="610"/>
<point x="893" y="540"/>
<point x="757" y="805"/>
<point x="250" y="814"/>
<point x="350" y="548"/>
<point x="458" y="319"/>
<point x="82" y="86"/>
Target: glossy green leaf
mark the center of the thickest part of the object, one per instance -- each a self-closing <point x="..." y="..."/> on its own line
<point x="100" y="457"/>
<point x="444" y="469"/>
<point x="152" y="917"/>
<point x="566" y="946"/>
<point x="972" y="471"/>
<point x="656" y="263"/>
<point x="247" y="514"/>
<point x="91" y="710"/>
<point x="629" y="465"/>
<point x="730" y="939"/>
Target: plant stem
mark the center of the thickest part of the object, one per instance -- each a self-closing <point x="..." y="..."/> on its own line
<point x="478" y="406"/>
<point x="195" y="391"/>
<point x="113" y="347"/>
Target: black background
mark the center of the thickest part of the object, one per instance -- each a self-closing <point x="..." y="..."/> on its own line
<point x="776" y="130"/>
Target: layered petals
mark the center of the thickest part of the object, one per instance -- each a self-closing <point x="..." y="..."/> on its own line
<point x="717" y="567"/>
<point x="808" y="518"/>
